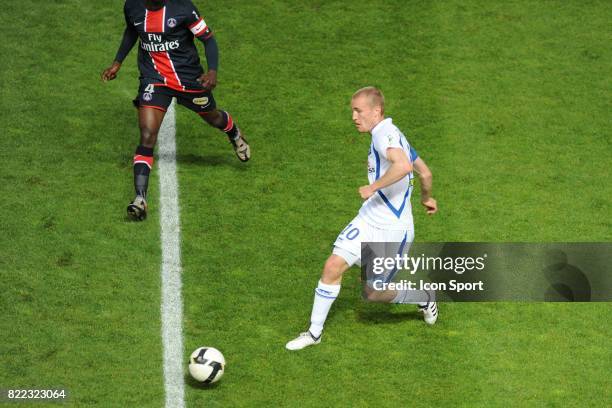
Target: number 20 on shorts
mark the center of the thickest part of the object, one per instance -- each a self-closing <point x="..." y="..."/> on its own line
<point x="350" y="233"/>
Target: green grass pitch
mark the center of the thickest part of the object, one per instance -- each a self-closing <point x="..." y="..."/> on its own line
<point x="508" y="102"/>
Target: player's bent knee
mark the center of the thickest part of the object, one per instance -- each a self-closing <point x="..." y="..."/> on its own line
<point x="334" y="267"/>
<point x="213" y="118"/>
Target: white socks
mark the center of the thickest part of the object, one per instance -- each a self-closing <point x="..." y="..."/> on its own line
<point x="324" y="297"/>
<point x="404" y="295"/>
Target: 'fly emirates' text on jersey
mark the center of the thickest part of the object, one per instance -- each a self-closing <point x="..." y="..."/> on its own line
<point x="167" y="54"/>
<point x="389" y="208"/>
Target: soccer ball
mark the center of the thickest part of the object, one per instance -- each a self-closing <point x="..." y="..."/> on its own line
<point x="206" y="365"/>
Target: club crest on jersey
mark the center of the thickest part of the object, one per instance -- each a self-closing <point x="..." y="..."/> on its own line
<point x="147" y="96"/>
<point x="171" y="23"/>
<point x="201" y="101"/>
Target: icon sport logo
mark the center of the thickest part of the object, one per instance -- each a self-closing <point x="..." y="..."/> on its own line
<point x="171" y="23"/>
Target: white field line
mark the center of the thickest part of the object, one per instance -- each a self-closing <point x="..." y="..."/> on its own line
<point x="171" y="300"/>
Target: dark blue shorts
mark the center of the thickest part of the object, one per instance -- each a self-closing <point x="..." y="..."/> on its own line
<point x="159" y="96"/>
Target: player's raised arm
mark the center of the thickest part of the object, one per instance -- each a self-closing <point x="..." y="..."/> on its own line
<point x="400" y="168"/>
<point x="130" y="36"/>
<point x="426" y="178"/>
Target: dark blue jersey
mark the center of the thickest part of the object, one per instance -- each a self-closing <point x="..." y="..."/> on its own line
<point x="167" y="54"/>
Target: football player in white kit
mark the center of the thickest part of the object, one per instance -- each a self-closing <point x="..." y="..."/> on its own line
<point x="385" y="216"/>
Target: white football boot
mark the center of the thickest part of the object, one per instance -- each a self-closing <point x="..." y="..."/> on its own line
<point x="303" y="340"/>
<point x="430" y="312"/>
<point x="137" y="210"/>
<point x="241" y="147"/>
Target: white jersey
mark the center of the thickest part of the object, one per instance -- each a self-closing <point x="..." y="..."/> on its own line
<point x="389" y="208"/>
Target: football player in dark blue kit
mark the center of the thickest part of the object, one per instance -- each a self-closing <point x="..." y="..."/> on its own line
<point x="170" y="67"/>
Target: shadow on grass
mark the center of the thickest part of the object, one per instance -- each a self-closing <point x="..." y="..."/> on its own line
<point x="381" y="315"/>
<point x="196" y="385"/>
<point x="226" y="159"/>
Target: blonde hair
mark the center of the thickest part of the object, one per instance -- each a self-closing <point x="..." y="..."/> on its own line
<point x="374" y="95"/>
